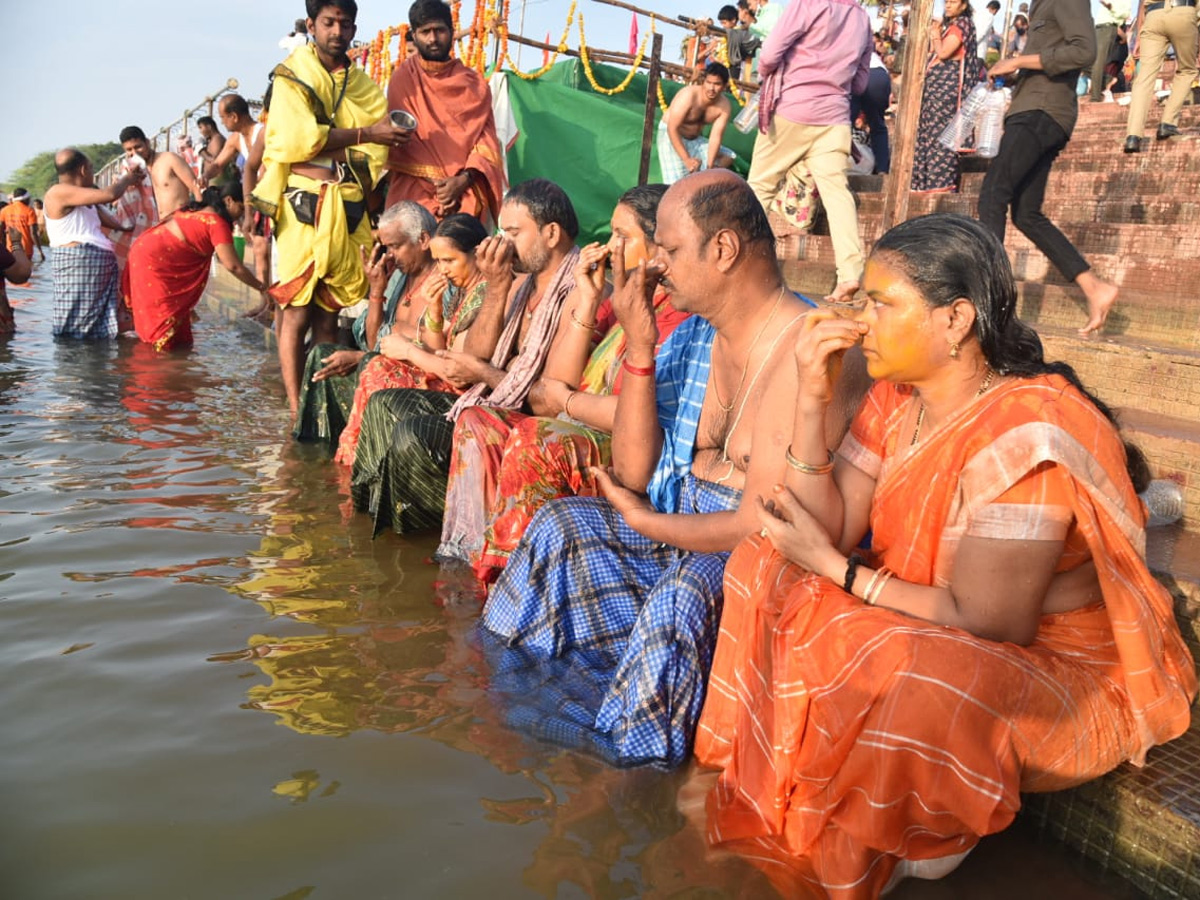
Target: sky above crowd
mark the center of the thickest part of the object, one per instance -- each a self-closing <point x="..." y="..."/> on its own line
<point x="91" y="68"/>
<point x="88" y="69"/>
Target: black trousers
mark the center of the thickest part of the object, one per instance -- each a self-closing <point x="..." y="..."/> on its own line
<point x="1017" y="178"/>
<point x="874" y="102"/>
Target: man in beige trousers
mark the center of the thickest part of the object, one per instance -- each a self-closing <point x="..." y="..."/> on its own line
<point x="817" y="55"/>
<point x="1163" y="23"/>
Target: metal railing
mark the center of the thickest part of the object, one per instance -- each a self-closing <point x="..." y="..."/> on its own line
<point x="178" y="128"/>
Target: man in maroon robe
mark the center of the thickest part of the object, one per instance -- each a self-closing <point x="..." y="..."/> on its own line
<point x="452" y="162"/>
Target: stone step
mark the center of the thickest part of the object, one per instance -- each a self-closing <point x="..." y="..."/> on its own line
<point x="1100" y="244"/>
<point x="1165" y="319"/>
<point x="1129" y="374"/>
<point x="1172" y="448"/>
<point x="1132" y="210"/>
<point x="1140" y="824"/>
<point x="1143" y="824"/>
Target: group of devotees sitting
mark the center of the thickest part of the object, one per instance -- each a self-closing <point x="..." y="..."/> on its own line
<point x="878" y="569"/>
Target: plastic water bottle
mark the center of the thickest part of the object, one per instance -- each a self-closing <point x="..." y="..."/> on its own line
<point x="1164" y="502"/>
<point x="963" y="122"/>
<point x="991" y="123"/>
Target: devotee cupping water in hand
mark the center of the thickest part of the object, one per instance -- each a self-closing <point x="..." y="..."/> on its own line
<point x="875" y="718"/>
<point x="619" y="597"/>
<point x="506" y="464"/>
<point x="168" y="265"/>
<point x="445" y="302"/>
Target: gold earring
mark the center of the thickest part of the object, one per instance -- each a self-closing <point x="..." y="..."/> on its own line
<point x="954" y="350"/>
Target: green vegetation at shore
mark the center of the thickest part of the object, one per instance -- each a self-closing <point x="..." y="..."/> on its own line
<point x="37" y="173"/>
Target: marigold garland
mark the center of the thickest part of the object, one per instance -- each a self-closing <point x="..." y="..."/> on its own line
<point x="587" y="65"/>
<point x="562" y="48"/>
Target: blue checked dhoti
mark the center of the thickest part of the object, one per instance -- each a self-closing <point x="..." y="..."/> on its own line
<point x="611" y="634"/>
<point x="85" y="291"/>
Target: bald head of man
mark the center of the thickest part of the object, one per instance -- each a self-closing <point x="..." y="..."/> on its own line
<point x="714" y="240"/>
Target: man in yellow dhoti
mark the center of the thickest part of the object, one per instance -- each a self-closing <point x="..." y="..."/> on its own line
<point x="326" y="141"/>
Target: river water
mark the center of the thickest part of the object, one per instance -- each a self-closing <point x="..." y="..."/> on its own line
<point x="217" y="685"/>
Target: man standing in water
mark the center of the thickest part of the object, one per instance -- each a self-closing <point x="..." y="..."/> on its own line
<point x="682" y="149"/>
<point x="83" y="263"/>
<point x="324" y="150"/>
<point x="172" y="178"/>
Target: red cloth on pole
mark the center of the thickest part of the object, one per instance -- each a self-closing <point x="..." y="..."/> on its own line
<point x="633" y="36"/>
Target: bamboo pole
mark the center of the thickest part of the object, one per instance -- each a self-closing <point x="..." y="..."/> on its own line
<point x="668" y="20"/>
<point x="651" y="108"/>
<point x="904" y="140"/>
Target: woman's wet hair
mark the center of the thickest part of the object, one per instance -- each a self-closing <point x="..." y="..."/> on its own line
<point x="948" y="256"/>
<point x="463" y="231"/>
<point x="643" y="201"/>
<point x="214" y="198"/>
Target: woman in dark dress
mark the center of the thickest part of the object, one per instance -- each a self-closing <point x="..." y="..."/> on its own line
<point x="952" y="71"/>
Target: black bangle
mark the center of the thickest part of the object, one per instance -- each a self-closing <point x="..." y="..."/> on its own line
<point x="852" y="565"/>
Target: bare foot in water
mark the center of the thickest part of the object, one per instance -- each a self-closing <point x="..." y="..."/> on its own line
<point x="1101" y="297"/>
<point x="843" y="293"/>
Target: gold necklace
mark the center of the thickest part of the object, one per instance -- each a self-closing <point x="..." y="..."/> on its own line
<point x="749" y="353"/>
<point x="988" y="374"/>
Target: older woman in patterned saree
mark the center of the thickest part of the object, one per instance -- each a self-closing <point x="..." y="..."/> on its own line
<point x="875" y="713"/>
<point x="453" y="296"/>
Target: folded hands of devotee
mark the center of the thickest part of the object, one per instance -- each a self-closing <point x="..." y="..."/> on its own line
<point x="799" y="537"/>
<point x="630" y="504"/>
<point x="462" y="369"/>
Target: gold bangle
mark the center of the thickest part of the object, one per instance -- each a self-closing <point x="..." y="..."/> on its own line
<point x="584" y="325"/>
<point x="435" y="326"/>
<point x="871" y="595"/>
<point x="567" y="403"/>
<point x="804" y="468"/>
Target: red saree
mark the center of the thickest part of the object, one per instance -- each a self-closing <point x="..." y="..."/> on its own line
<point x="165" y="277"/>
<point x="858" y="743"/>
<point x="455" y="131"/>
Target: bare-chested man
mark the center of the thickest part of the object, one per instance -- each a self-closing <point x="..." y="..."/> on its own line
<point x="682" y="148"/>
<point x="174" y="183"/>
<point x="699" y="443"/>
<point x="245" y="141"/>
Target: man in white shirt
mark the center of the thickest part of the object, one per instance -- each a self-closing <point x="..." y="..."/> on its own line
<point x="985" y="28"/>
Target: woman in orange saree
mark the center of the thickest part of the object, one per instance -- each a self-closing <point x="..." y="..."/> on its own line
<point x="873" y="719"/>
<point x="168" y="266"/>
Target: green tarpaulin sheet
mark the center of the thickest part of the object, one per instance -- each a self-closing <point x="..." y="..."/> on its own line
<point x="590" y="143"/>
